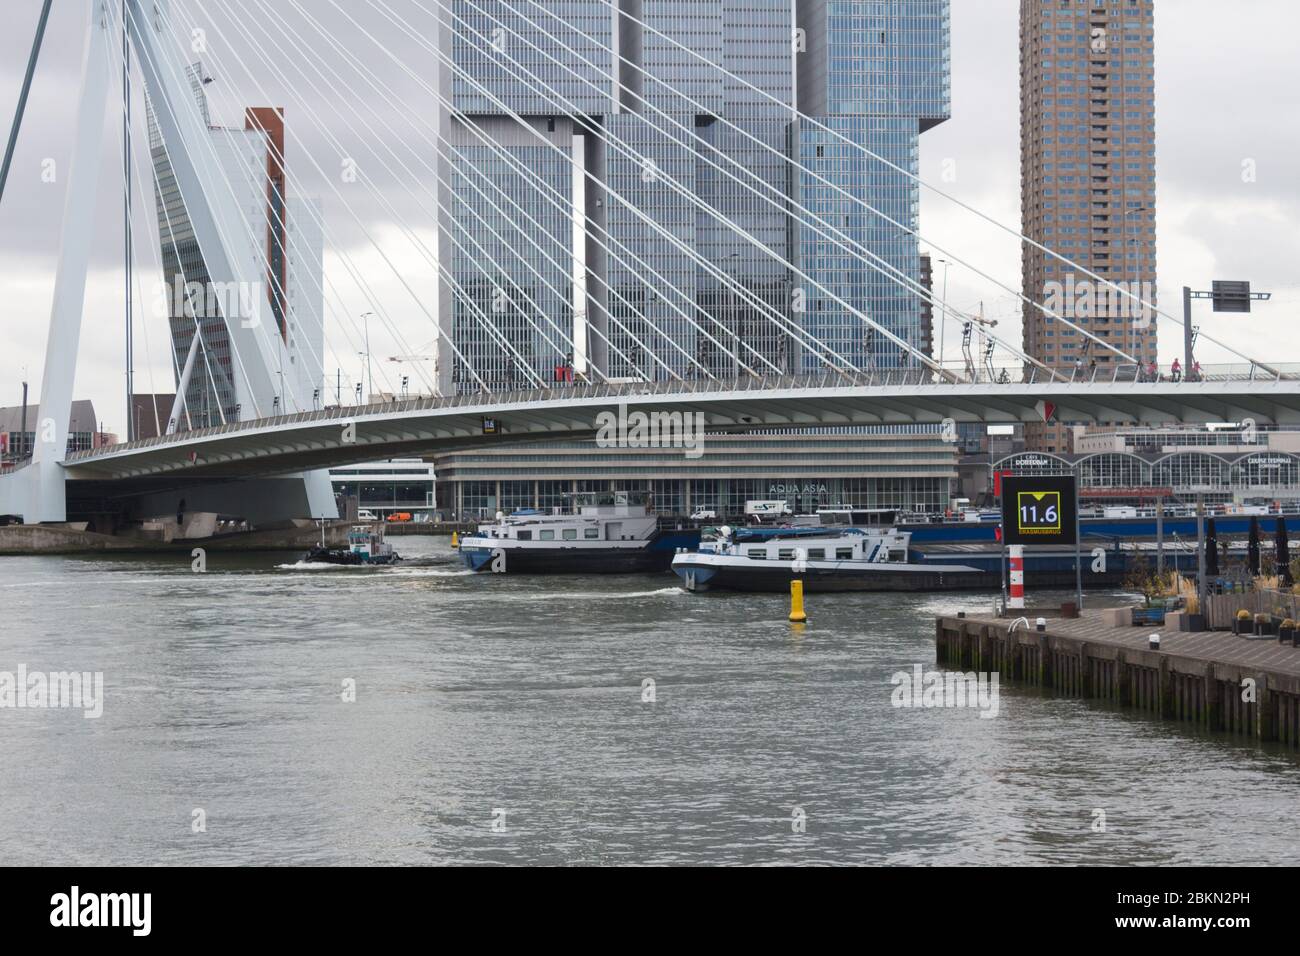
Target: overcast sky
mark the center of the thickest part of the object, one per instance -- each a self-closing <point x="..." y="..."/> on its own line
<point x="1227" y="81"/>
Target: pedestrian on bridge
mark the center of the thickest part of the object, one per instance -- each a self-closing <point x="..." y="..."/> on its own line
<point x="1176" y="370"/>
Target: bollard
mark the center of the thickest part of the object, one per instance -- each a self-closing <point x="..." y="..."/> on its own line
<point x="797" y="615"/>
<point x="1154" y="642"/>
<point x="455" y="541"/>
<point x="1041" y="625"/>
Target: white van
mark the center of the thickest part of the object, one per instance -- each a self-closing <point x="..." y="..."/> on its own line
<point x="365" y="514"/>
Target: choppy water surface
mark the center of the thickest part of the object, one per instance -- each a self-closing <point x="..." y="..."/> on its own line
<point x="482" y="694"/>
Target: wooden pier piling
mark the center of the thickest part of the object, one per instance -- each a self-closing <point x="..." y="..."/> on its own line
<point x="1212" y="680"/>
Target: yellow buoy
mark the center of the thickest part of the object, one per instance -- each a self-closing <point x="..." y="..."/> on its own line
<point x="455" y="541"/>
<point x="797" y="616"/>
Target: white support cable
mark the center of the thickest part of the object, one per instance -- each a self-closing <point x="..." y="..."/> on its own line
<point x="805" y="338"/>
<point x="198" y="330"/>
<point x="796" y="116"/>
<point x="217" y="221"/>
<point x="437" y="263"/>
<point x="257" y="328"/>
<point x="292" y="242"/>
<point x="567" y="159"/>
<point x="843" y="241"/>
<point x="373" y="137"/>
<point x="513" y="160"/>
<point x="187" y="303"/>
<point x="567" y="211"/>
<point x="709" y="267"/>
<point x="483" y="220"/>
<point x="944" y="307"/>
<point x="699" y="204"/>
<point x="396" y="272"/>
<point x="362" y="284"/>
<point x="434" y="261"/>
<point x="693" y="200"/>
<point x="130" y="172"/>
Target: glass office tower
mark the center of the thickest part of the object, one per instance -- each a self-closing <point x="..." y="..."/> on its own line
<point x="617" y="273"/>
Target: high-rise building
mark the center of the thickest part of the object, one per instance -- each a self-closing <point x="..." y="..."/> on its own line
<point x="533" y="272"/>
<point x="652" y="76"/>
<point x="267" y="225"/>
<point x="1087" y="142"/>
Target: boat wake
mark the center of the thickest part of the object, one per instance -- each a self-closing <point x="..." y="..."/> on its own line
<point x="431" y="572"/>
<point x="598" y="595"/>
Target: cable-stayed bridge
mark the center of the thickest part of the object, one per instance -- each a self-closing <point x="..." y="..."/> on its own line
<point x="554" y="293"/>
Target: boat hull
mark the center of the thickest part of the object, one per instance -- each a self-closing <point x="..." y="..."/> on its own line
<point x="926" y="572"/>
<point x="350" y="559"/>
<point x="506" y="558"/>
<point x="700" y="573"/>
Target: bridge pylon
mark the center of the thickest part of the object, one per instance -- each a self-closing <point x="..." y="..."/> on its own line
<point x="37" y="492"/>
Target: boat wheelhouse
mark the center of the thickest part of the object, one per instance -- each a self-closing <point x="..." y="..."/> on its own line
<point x="607" y="532"/>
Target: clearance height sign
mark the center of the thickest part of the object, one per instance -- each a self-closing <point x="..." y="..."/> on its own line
<point x="1039" y="510"/>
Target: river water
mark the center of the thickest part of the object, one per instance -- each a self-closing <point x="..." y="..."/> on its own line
<point x="508" y="720"/>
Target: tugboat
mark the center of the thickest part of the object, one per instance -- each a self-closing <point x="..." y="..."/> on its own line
<point x="610" y="532"/>
<point x="849" y="559"/>
<point x="366" y="546"/>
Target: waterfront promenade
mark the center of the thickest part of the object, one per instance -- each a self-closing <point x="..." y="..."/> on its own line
<point x="1214" y="680"/>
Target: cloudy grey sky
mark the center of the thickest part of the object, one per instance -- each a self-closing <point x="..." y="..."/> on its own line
<point x="1227" y="83"/>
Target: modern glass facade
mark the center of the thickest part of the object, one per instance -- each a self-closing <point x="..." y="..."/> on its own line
<point x="875" y="72"/>
<point x="863" y="468"/>
<point x="1219" y="474"/>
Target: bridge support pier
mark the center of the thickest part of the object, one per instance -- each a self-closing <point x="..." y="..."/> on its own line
<point x="260" y="501"/>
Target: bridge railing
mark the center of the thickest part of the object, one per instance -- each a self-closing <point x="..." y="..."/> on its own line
<point x="1108" y="375"/>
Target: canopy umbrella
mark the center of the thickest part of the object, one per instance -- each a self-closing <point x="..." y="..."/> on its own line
<point x="1283" y="546"/>
<point x="1252" y="547"/>
<point x="1211" y="550"/>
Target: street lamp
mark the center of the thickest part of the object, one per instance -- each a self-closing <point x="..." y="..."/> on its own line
<point x="943" y="306"/>
<point x="370" y="380"/>
<point x="1131" y="346"/>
